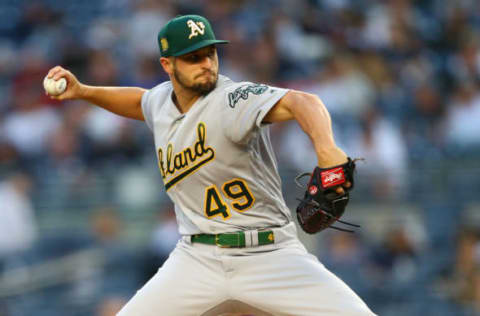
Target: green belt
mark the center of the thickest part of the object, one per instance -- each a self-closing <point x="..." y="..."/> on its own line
<point x="233" y="240"/>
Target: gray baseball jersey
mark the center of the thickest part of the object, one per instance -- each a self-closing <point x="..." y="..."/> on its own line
<point x="216" y="160"/>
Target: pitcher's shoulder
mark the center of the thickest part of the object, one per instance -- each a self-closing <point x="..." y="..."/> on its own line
<point x="241" y="87"/>
<point x="159" y="94"/>
<point x="226" y="83"/>
<point x="227" y="86"/>
<point x="162" y="88"/>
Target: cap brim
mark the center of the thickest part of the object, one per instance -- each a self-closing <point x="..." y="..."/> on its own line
<point x="198" y="46"/>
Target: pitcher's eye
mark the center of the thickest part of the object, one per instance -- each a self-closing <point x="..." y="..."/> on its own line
<point x="193" y="58"/>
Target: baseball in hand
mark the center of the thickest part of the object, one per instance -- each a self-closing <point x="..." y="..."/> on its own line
<point x="54" y="87"/>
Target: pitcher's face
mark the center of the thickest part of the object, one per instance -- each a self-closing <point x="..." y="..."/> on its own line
<point x="197" y="71"/>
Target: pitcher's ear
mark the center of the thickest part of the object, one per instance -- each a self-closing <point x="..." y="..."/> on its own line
<point x="167" y="64"/>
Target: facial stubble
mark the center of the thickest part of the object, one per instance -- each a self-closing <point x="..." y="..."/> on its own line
<point x="200" y="88"/>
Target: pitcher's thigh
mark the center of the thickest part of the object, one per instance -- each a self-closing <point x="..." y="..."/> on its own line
<point x="293" y="282"/>
<point x="186" y="285"/>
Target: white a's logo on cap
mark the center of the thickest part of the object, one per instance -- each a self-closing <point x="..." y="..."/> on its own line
<point x="195" y="28"/>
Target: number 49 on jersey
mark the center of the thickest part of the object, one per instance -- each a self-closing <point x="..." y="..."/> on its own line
<point x="235" y="190"/>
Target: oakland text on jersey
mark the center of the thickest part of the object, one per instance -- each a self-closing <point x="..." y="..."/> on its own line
<point x="187" y="160"/>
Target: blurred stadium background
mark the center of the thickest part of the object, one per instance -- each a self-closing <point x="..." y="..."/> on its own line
<point x="84" y="217"/>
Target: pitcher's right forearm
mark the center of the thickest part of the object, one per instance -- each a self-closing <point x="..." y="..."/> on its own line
<point x="124" y="101"/>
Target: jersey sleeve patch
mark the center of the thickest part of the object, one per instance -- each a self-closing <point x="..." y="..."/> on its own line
<point x="246" y="104"/>
<point x="244" y="91"/>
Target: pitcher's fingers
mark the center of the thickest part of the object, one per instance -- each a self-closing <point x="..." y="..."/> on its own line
<point x="53" y="71"/>
<point x="60" y="74"/>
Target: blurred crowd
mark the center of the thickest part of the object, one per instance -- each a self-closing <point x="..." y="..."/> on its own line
<point x="85" y="220"/>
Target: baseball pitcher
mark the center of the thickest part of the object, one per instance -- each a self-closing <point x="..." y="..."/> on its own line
<point x="239" y="250"/>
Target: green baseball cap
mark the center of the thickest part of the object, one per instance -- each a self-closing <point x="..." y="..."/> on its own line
<point x="184" y="34"/>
